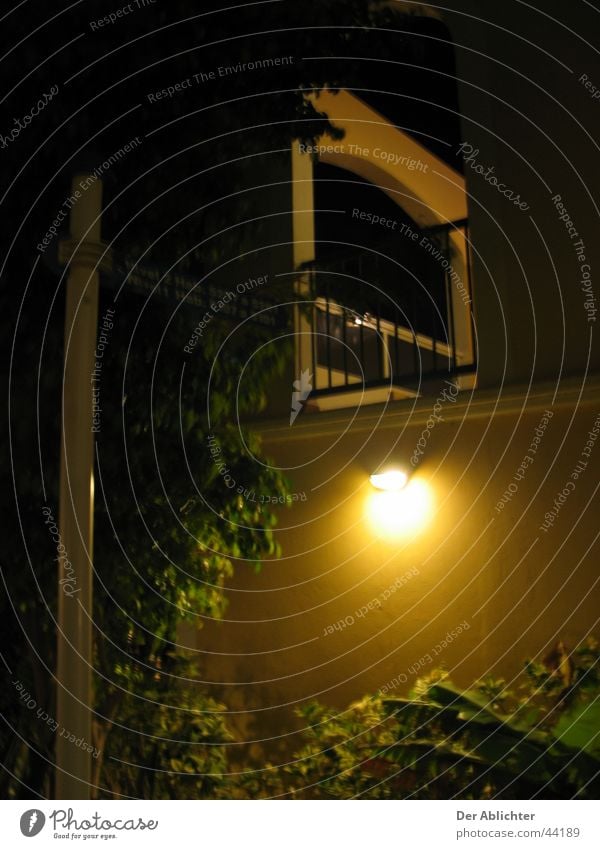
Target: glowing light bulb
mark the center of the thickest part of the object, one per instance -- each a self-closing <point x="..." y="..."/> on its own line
<point x="398" y="513"/>
<point x="390" y="481"/>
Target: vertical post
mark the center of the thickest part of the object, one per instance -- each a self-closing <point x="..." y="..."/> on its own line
<point x="303" y="229"/>
<point x="74" y="650"/>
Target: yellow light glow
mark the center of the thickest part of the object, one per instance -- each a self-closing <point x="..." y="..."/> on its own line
<point x="390" y="481"/>
<point x="401" y="513"/>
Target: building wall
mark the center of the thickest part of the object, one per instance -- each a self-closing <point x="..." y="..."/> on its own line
<point x="518" y="588"/>
<point x="517" y="585"/>
<point x="526" y="113"/>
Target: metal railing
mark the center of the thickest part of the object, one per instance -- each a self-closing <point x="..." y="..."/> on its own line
<point x="386" y="317"/>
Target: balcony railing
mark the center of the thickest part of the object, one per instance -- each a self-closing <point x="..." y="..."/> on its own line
<point x="389" y="317"/>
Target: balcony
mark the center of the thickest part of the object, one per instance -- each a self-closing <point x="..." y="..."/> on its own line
<point x="383" y="322"/>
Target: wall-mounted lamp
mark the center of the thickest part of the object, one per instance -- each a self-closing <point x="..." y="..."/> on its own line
<point x="401" y="507"/>
<point x="389" y="481"/>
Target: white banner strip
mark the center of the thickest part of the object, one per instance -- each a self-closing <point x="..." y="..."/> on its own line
<point x="303" y="824"/>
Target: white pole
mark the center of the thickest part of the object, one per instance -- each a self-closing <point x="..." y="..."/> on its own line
<point x="76" y="505"/>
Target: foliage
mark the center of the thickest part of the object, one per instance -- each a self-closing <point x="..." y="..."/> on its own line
<point x="540" y="739"/>
<point x="171" y="530"/>
<point x="168" y="533"/>
<point x="170" y="740"/>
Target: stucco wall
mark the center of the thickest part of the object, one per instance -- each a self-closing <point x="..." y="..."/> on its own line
<point x="518" y="588"/>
